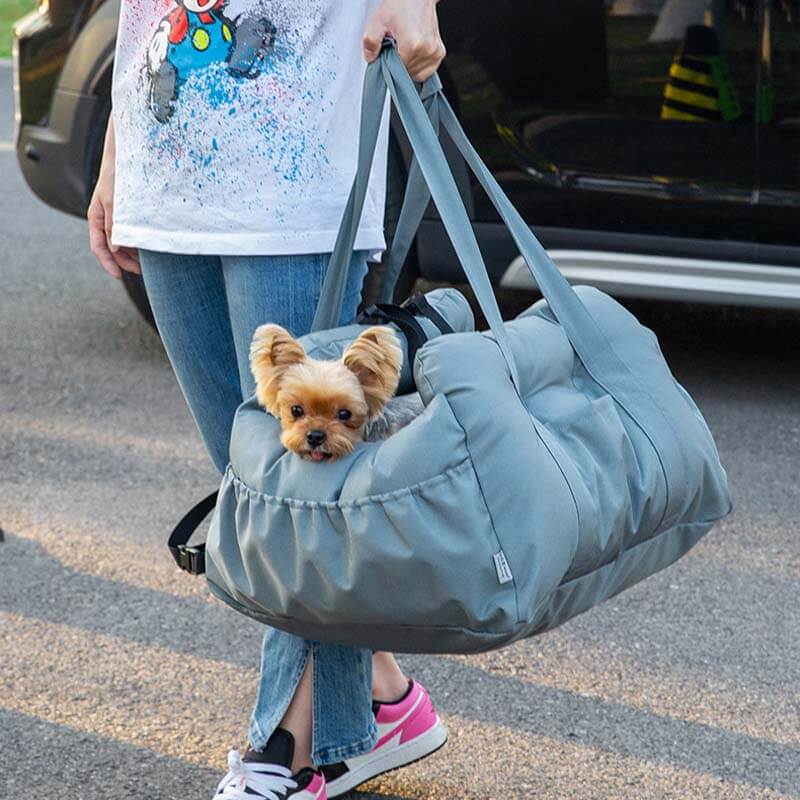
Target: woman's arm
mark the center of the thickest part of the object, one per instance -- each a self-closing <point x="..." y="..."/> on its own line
<point x="415" y="28"/>
<point x="101" y="213"/>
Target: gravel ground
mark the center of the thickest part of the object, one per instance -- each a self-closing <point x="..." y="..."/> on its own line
<point x="119" y="677"/>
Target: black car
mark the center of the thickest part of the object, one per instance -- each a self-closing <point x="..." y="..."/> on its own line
<point x="654" y="147"/>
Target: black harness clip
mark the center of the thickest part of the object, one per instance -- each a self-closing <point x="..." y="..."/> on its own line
<point x="192" y="559"/>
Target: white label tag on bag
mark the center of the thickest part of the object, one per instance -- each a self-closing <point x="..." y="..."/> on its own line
<point x="501" y="566"/>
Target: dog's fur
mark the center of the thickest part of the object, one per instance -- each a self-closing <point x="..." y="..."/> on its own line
<point x="326" y="407"/>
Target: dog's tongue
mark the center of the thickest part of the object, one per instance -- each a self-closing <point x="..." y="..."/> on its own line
<point x="316" y="455"/>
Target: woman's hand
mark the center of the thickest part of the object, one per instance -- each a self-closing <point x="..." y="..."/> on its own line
<point x="415" y="28"/>
<point x="114" y="259"/>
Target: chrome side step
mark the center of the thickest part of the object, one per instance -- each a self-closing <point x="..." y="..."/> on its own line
<point x="670" y="278"/>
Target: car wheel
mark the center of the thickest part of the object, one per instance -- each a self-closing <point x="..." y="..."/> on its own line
<point x="134" y="286"/>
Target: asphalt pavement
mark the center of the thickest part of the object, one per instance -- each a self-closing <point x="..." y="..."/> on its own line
<point x="120" y="678"/>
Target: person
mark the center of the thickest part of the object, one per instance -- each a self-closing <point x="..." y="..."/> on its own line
<point x="228" y="158"/>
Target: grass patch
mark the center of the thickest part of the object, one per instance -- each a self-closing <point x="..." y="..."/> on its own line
<point x="10" y="12"/>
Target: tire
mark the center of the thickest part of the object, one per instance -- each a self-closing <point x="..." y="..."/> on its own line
<point x="134" y="287"/>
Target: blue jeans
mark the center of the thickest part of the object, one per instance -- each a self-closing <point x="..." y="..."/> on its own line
<point x="206" y="309"/>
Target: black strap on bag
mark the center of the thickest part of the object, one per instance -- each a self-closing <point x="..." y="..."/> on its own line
<point x="192" y="559"/>
<point x="404" y="317"/>
<point x="419" y="306"/>
<point x="384" y="312"/>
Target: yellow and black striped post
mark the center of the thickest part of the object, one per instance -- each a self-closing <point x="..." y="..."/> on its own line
<point x="699" y="87"/>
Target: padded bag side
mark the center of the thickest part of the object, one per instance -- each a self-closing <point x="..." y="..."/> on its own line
<point x="677" y="485"/>
<point x="633" y="371"/>
<point x="620" y="360"/>
<point x="521" y="478"/>
<point x="408" y="570"/>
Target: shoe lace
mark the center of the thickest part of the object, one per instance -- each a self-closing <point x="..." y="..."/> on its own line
<point x="268" y="781"/>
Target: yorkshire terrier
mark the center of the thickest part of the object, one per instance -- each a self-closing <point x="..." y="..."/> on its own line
<point x="326" y="407"/>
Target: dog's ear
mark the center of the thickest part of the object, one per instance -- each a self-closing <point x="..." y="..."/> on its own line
<point x="375" y="358"/>
<point x="272" y="350"/>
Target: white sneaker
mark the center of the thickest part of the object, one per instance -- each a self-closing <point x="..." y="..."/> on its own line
<point x="265" y="775"/>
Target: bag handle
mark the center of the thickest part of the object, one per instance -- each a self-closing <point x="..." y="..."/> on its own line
<point x="329" y="308"/>
<point x="388" y="70"/>
<point x="442" y="186"/>
<point x="328" y="313"/>
<point x="579" y="326"/>
<point x="415" y="199"/>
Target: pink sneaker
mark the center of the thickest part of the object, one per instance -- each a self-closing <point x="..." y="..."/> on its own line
<point x="408" y="729"/>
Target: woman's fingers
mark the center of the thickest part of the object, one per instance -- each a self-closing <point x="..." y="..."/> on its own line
<point x="133" y="252"/>
<point x="98" y="239"/>
<point x="127" y="258"/>
<point x="422" y="61"/>
<point x="415" y="28"/>
<point x="373" y="38"/>
<point x="100" y="216"/>
<point x="108" y="222"/>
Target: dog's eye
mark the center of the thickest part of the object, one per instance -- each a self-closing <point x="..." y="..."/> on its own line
<point x="297" y="411"/>
<point x="344" y="415"/>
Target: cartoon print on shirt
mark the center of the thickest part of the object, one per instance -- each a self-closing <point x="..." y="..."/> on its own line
<point x="241" y="132"/>
<point x="194" y="35"/>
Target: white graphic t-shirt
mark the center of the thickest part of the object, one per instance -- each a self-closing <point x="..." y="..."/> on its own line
<point x="236" y="126"/>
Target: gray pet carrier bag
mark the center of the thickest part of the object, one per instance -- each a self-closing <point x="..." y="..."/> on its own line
<point x="556" y="462"/>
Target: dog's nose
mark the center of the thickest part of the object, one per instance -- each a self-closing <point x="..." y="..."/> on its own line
<point x="315" y="438"/>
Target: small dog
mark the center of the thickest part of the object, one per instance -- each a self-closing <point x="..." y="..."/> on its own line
<point x="326" y="407"/>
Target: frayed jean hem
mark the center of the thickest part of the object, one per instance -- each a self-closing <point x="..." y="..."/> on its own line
<point x="330" y="755"/>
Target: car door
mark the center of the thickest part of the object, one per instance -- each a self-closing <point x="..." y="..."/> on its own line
<point x="582" y="115"/>
<point x="777" y="231"/>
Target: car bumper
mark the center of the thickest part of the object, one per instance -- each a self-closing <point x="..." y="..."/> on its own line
<point x="47" y="156"/>
<point x="51" y="121"/>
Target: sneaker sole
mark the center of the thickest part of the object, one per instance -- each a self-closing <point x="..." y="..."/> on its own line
<point x="422" y="746"/>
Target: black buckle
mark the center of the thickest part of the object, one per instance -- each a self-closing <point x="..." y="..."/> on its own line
<point x="370" y="315"/>
<point x="192" y="559"/>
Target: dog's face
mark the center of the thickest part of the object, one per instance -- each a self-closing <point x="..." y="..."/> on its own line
<point x="323" y="406"/>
